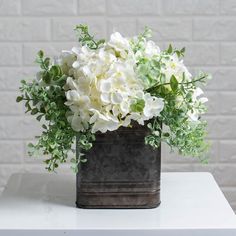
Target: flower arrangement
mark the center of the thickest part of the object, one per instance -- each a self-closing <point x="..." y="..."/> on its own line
<point x="103" y="85"/>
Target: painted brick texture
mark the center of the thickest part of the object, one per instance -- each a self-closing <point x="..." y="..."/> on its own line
<point x="205" y="27"/>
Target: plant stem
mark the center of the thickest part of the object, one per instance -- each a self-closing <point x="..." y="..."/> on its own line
<point x="186" y="83"/>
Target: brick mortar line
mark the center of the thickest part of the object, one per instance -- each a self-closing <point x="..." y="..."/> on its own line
<point x="146" y="16"/>
<point x="166" y="41"/>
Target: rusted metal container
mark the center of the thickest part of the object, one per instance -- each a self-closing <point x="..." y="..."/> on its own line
<point x="120" y="172"/>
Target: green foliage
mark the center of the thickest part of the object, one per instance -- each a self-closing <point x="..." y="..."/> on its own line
<point x="137" y="44"/>
<point x="149" y="71"/>
<point x="138" y="105"/>
<point x="85" y="38"/>
<point x="173" y="83"/>
<point x="178" y="131"/>
<point x="171" y="50"/>
<point x="160" y="87"/>
<point x="83" y="143"/>
<point x="45" y="98"/>
<point x="154" y="138"/>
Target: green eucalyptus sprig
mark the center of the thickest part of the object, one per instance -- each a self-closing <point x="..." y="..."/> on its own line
<point x="45" y="98"/>
<point x="138" y="42"/>
<point x="177" y="129"/>
<point x="85" y="38"/>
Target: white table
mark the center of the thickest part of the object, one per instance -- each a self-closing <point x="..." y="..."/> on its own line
<point x="44" y="204"/>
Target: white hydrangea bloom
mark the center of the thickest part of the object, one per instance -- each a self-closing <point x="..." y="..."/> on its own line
<point x="151" y="49"/>
<point x="119" y="44"/>
<point x="148" y="50"/>
<point x="102" y="85"/>
<point x="175" y="66"/>
<point x="66" y="60"/>
<point x="153" y="106"/>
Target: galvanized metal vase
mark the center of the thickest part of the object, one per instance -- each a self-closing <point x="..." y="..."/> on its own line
<point x="120" y="172"/>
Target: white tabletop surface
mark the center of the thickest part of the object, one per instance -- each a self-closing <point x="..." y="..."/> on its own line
<point x="44" y="204"/>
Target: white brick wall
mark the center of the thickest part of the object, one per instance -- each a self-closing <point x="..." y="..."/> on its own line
<point x="205" y="27"/>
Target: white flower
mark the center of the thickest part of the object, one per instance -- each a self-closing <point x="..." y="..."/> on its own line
<point x="119" y="44"/>
<point x="77" y="123"/>
<point x="153" y="106"/>
<point x="195" y="112"/>
<point x="66" y="61"/>
<point x="174" y="66"/>
<point x="151" y="49"/>
<point x="103" y="84"/>
<point x="102" y="122"/>
<point x="198" y="92"/>
<point x="148" y="49"/>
